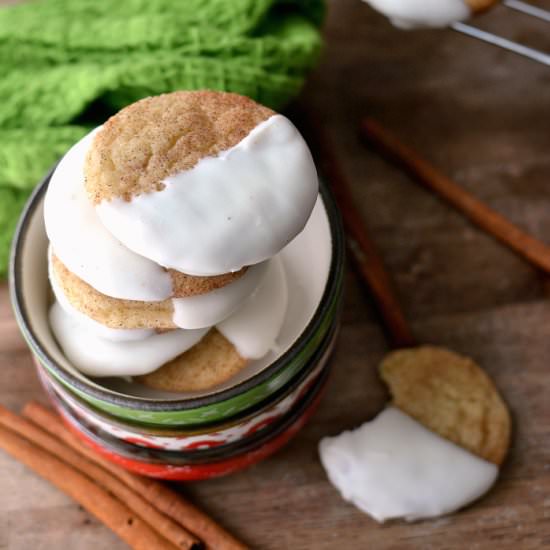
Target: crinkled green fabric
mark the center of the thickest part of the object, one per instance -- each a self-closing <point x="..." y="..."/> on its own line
<point x="67" y="64"/>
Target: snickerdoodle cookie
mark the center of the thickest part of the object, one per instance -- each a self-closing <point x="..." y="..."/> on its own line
<point x="204" y="183"/>
<point x="452" y="396"/>
<point x="209" y="363"/>
<point x="159" y="136"/>
<point x="191" y="311"/>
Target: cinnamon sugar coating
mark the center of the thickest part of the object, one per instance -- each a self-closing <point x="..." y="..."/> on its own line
<point x="452" y="396"/>
<point x="160" y="136"/>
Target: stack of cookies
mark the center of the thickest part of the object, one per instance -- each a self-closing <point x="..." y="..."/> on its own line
<point x="165" y="226"/>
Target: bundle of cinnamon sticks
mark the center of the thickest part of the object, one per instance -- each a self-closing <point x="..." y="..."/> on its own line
<point x="144" y="513"/>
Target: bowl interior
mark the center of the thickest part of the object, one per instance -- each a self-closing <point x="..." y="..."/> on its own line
<point x="306" y="261"/>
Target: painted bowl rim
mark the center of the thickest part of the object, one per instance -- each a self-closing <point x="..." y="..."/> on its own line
<point x="162" y="405"/>
<point x="198" y="472"/>
<point x="201" y="456"/>
<point x="322" y="354"/>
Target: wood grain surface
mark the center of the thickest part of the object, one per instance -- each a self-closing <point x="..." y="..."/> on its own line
<point x="482" y="116"/>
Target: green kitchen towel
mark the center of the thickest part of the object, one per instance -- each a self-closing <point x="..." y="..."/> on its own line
<point x="67" y="64"/>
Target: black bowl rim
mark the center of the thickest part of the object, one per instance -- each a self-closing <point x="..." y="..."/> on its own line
<point x="147" y="404"/>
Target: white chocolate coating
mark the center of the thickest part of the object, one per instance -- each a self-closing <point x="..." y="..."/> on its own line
<point x="411" y="14"/>
<point x="96" y="356"/>
<point x="239" y="208"/>
<point x="206" y="310"/>
<point x="254" y="328"/>
<point x="94" y="255"/>
<point x="85" y="247"/>
<point x="200" y="311"/>
<point x="394" y="467"/>
<point x="96" y="351"/>
<point x="113" y="334"/>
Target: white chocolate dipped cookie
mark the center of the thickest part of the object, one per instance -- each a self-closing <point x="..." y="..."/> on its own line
<point x="201" y="182"/>
<point x="211" y="362"/>
<point x="435" y="449"/>
<point x="91" y="253"/>
<point x="170" y="217"/>
<point x="96" y="328"/>
<point x="452" y="396"/>
<point x="190" y="312"/>
<point x="177" y="360"/>
<point x="97" y="356"/>
<point x="248" y="334"/>
<point x="410" y="14"/>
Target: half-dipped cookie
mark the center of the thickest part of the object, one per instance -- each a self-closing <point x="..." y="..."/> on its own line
<point x="165" y="228"/>
<point x="203" y="309"/>
<point x="413" y="14"/>
<point x="176" y="360"/>
<point x="436" y="448"/>
<point x="201" y="182"/>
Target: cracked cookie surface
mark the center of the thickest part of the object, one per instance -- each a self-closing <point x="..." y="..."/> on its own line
<point x="452" y="396"/>
<point x="160" y="136"/>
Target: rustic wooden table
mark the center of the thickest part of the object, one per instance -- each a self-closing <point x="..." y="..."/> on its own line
<point x="482" y="116"/>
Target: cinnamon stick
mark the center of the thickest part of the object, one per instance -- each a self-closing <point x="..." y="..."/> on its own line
<point x="164" y="499"/>
<point x="166" y="527"/>
<point x="106" y="508"/>
<point x="533" y="250"/>
<point x="364" y="253"/>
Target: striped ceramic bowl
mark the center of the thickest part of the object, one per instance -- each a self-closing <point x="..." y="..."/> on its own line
<point x="314" y="264"/>
<point x="191" y="438"/>
<point x="211" y="462"/>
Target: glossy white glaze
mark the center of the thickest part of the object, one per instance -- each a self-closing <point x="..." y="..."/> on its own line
<point x="411" y="14"/>
<point x="116" y="335"/>
<point x="236" y="209"/>
<point x="393" y="467"/>
<point x="83" y="244"/>
<point x="206" y="310"/>
<point x="96" y="356"/>
<point x="253" y="329"/>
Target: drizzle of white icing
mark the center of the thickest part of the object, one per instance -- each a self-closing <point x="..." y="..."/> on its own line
<point x="238" y="208"/>
<point x="114" y="334"/>
<point x="254" y="328"/>
<point x="394" y="467"/>
<point x="410" y="14"/>
<point x="205" y="310"/>
<point x="85" y="247"/>
<point x="96" y="356"/>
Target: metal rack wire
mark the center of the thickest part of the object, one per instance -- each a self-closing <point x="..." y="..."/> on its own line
<point x="510" y="45"/>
